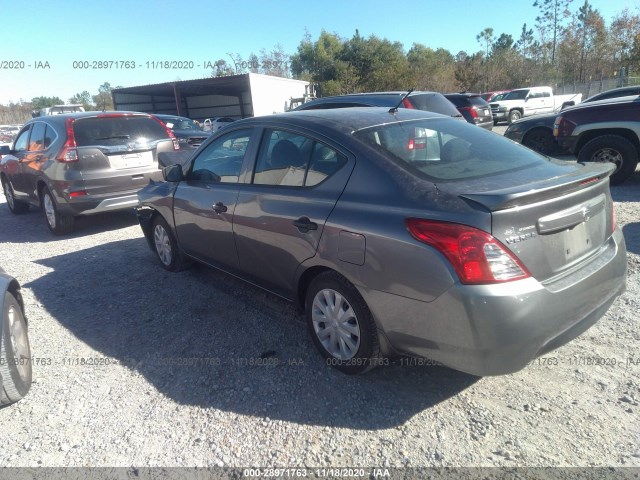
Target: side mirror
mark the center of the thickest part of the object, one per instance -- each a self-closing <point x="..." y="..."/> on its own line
<point x="569" y="103"/>
<point x="5" y="150"/>
<point x="173" y="173"/>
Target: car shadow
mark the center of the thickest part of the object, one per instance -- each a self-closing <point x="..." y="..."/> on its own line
<point x="31" y="226"/>
<point x="203" y="338"/>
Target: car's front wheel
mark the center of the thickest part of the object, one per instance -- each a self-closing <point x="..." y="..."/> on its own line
<point x="58" y="224"/>
<point x="341" y="325"/>
<point x="514" y="115"/>
<point x="15" y="353"/>
<point x="166" y="246"/>
<point x="15" y="206"/>
<point x="611" y="149"/>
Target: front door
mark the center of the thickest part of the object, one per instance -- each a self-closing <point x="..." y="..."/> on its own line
<point x="204" y="203"/>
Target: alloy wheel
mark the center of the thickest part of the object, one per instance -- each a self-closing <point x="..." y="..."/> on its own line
<point x="49" y="210"/>
<point x="19" y="341"/>
<point x="163" y="244"/>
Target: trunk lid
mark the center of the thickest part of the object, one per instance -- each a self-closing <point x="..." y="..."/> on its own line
<point x="552" y="225"/>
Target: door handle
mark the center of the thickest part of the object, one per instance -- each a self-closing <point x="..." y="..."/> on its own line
<point x="303" y="224"/>
<point x="219" y="207"/>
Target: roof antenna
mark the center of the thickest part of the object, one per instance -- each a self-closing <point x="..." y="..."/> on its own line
<point x="395" y="109"/>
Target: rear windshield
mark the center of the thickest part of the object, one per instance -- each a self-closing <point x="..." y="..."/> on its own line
<point x="119" y="130"/>
<point x="446" y="150"/>
<point x="434" y="102"/>
<point x="180" y="123"/>
<point x="478" y="101"/>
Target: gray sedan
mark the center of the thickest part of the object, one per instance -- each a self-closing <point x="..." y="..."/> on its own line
<point x="398" y="232"/>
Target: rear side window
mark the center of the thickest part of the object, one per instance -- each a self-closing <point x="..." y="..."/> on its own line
<point x="36" y="141"/>
<point x="433" y="102"/>
<point x="117" y="130"/>
<point x="445" y="150"/>
<point x="292" y="160"/>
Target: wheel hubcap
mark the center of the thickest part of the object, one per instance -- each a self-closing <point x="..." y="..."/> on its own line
<point x="335" y="324"/>
<point x="163" y="245"/>
<point x="8" y="194"/>
<point x="19" y="341"/>
<point x="49" y="210"/>
<point x="609" y="155"/>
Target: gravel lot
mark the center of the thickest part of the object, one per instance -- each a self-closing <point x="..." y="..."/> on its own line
<point x="141" y="367"/>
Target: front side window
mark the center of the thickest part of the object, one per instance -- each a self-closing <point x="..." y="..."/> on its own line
<point x="221" y="161"/>
<point x="22" y="142"/>
<point x="293" y="160"/>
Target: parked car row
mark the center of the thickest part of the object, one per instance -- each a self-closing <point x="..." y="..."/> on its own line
<point x="343" y="210"/>
<point x="614" y="114"/>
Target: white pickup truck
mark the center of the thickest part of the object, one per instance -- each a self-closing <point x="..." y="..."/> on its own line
<point x="523" y="102"/>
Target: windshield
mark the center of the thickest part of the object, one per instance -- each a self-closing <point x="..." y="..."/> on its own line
<point x="516" y="95"/>
<point x="445" y="150"/>
<point x="180" y="123"/>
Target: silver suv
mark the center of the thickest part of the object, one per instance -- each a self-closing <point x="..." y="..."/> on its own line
<point x="82" y="163"/>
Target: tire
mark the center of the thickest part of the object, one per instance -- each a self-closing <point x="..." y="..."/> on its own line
<point x="615" y="149"/>
<point x="166" y="246"/>
<point x="57" y="223"/>
<point x="540" y="140"/>
<point x="15" y="206"/>
<point x="514" y="115"/>
<point x="15" y="353"/>
<point x="356" y="348"/>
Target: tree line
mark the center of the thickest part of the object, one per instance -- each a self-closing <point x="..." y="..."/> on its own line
<point x="564" y="46"/>
<point x="568" y="43"/>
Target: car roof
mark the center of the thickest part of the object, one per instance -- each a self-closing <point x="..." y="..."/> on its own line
<point x="621" y="90"/>
<point x="346" y="119"/>
<point x="606" y="101"/>
<point x="95" y="113"/>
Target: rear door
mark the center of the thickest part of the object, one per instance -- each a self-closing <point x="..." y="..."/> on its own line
<point x="204" y="204"/>
<point x="281" y="213"/>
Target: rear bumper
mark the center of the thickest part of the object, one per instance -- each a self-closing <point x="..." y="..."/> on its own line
<point x="499" y="329"/>
<point x="92" y="204"/>
<point x="486" y="125"/>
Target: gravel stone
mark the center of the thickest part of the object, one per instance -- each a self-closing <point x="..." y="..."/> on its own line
<point x="199" y="369"/>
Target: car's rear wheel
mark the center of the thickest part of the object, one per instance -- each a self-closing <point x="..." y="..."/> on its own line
<point x="166" y="246"/>
<point x="58" y="224"/>
<point x="15" y="206"/>
<point x="612" y="149"/>
<point x="541" y="140"/>
<point x="341" y="325"/>
<point x="15" y="353"/>
<point x="514" y="115"/>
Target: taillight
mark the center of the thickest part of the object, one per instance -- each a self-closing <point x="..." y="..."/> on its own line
<point x="471" y="110"/>
<point x="176" y="145"/>
<point x="563" y="127"/>
<point x="69" y="152"/>
<point x="476" y="256"/>
<point x="407" y="104"/>
<point x="613" y="218"/>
